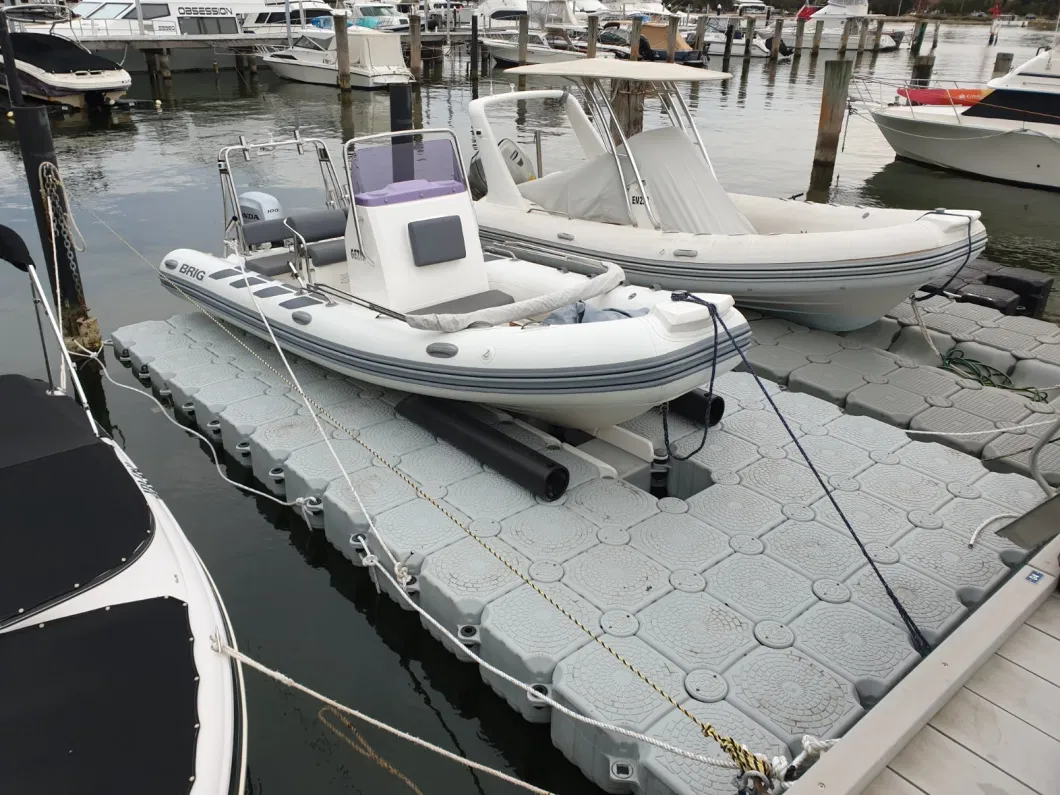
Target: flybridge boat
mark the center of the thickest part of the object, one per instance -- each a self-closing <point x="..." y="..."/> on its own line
<point x="653" y="205"/>
<point x="108" y="618"/>
<point x="55" y="69"/>
<point x="390" y="284"/>
<point x="375" y="59"/>
<point x="1010" y="133"/>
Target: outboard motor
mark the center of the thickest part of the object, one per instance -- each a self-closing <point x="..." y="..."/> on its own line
<point x="257" y="206"/>
<point x="519" y="166"/>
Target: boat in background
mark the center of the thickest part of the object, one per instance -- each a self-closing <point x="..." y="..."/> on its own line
<point x="108" y="617"/>
<point x="54" y="69"/>
<point x="376" y="60"/>
<point x="1010" y="134"/>
<point x="835" y="14"/>
<point x="653" y="204"/>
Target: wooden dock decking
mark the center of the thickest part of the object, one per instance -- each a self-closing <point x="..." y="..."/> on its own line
<point x="1001" y="732"/>
<point x="980" y="715"/>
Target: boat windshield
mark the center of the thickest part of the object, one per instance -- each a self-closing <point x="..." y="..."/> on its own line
<point x="314" y="43"/>
<point x="377" y="11"/>
<point x="384" y="171"/>
<point x="109" y="11"/>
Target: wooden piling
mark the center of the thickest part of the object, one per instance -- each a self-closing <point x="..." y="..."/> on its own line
<point x="474" y="46"/>
<point x="923" y="65"/>
<point x="935" y="35"/>
<point x="774" y="45"/>
<point x="800" y="30"/>
<point x="634" y="39"/>
<point x="524" y="38"/>
<point x="342" y="47"/>
<point x="163" y="65"/>
<point x="864" y="25"/>
<point x="818" y="29"/>
<point x="918" y="37"/>
<point x="627" y="99"/>
<point x="748" y="37"/>
<point x="252" y="65"/>
<point x="593" y="34"/>
<point x="671" y="40"/>
<point x="879" y="36"/>
<point x="844" y="37"/>
<point x="730" y="33"/>
<point x="833" y="110"/>
<point x="1002" y="64"/>
<point x="415" y="48"/>
<point x="701" y="32"/>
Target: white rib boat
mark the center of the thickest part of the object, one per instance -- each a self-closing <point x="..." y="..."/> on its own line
<point x="654" y="206"/>
<point x="394" y="288"/>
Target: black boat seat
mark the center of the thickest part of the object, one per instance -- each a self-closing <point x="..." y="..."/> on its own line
<point x="270" y="264"/>
<point x="258" y="233"/>
<point x="327" y="252"/>
<point x="313" y="226"/>
<point x="469" y="303"/>
<point x="319" y="225"/>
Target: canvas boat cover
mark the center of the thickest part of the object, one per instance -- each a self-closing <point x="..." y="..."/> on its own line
<point x="72" y="513"/>
<point x="57" y="55"/>
<point x="683" y="191"/>
<point x="100" y="703"/>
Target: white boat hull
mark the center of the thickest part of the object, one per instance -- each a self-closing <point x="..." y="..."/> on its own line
<point x="506" y="54"/>
<point x="328" y="74"/>
<point x="844" y="269"/>
<point x="994" y="149"/>
<point x="588" y="375"/>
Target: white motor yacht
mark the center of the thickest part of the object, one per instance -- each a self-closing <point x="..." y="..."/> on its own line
<point x="376" y="60"/>
<point x="54" y="69"/>
<point x="653" y="204"/>
<point x="1011" y="133"/>
<point x="542" y="46"/>
<point x="378" y="16"/>
<point x="835" y="14"/>
<point x="207" y="30"/>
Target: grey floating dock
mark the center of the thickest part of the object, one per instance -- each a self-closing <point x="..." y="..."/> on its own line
<point x="742" y="595"/>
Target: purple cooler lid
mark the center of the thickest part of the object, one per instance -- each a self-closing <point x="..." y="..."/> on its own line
<point x="408" y="191"/>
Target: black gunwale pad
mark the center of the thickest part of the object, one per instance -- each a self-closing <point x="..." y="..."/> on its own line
<point x="103" y="702"/>
<point x="73" y="515"/>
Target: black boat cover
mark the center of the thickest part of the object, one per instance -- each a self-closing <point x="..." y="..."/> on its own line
<point x="57" y="55"/>
<point x="73" y="516"/>
<point x="100" y="703"/>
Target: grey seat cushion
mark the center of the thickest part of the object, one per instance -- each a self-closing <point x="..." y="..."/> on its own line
<point x="271" y="264"/>
<point x="328" y="252"/>
<point x="258" y="233"/>
<point x="469" y="303"/>
<point x="319" y="225"/>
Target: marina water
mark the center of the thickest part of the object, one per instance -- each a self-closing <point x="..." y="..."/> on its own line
<point x="296" y="603"/>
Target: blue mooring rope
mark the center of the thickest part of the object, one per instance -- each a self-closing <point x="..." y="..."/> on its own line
<point x="920" y="643"/>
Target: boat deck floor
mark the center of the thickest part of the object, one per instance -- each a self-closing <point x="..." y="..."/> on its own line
<point x="72" y="514"/>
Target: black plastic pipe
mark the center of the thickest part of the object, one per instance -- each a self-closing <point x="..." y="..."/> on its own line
<point x="696" y="405"/>
<point x="522" y="465"/>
